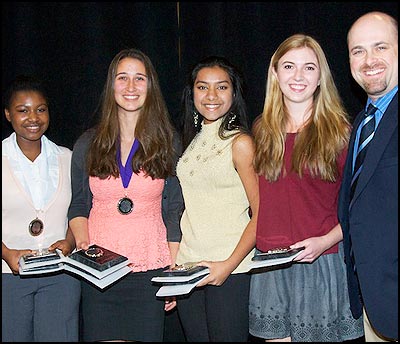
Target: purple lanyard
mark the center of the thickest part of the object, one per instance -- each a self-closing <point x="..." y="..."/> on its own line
<point x="126" y="171"/>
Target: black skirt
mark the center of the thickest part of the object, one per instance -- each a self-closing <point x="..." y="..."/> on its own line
<point x="127" y="310"/>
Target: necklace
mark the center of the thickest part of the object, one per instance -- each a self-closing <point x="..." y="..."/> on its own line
<point x="125" y="204"/>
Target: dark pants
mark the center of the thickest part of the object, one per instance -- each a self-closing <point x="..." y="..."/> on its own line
<point x="217" y="314"/>
<point x="40" y="308"/>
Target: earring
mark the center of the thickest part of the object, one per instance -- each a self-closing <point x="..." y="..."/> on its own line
<point x="232" y="119"/>
<point x="195" y="118"/>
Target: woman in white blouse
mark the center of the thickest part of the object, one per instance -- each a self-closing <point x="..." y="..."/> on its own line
<point x="35" y="199"/>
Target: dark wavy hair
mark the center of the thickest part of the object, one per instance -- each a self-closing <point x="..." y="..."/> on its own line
<point x="228" y="127"/>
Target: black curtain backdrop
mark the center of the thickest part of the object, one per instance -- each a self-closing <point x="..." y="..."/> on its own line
<point x="70" y="45"/>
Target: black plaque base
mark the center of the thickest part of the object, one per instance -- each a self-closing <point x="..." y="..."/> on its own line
<point x="104" y="262"/>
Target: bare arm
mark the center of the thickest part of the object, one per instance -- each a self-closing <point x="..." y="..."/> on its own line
<point x="315" y="246"/>
<point x="242" y="154"/>
<point x="79" y="229"/>
<point x="12" y="256"/>
<point x="66" y="245"/>
<point x="173" y="248"/>
<point x="170" y="302"/>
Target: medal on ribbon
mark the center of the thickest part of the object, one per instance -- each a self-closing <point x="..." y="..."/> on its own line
<point x="125" y="204"/>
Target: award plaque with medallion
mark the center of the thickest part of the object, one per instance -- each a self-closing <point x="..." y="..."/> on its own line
<point x="97" y="264"/>
<point x="98" y="258"/>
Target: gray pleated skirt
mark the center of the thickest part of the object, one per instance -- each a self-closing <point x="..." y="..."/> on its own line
<point x="307" y="302"/>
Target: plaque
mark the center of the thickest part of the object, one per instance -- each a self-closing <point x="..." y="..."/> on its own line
<point x="98" y="257"/>
<point x="186" y="269"/>
<point x="43" y="255"/>
<point x="278" y="253"/>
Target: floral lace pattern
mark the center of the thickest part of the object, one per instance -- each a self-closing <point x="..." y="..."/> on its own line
<point x="139" y="235"/>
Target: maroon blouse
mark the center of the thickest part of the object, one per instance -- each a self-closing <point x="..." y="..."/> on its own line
<point x="294" y="208"/>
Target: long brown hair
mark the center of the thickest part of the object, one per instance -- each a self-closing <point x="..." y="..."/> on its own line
<point x="325" y="135"/>
<point x="154" y="130"/>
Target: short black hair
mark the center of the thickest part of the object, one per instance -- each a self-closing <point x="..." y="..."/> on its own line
<point x="24" y="83"/>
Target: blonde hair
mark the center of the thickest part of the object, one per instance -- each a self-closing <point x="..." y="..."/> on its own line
<point x="325" y="134"/>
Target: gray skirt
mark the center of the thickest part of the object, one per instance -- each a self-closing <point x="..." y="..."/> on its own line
<point x="307" y="302"/>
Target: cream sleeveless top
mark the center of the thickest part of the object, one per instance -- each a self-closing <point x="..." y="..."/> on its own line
<point x="216" y="205"/>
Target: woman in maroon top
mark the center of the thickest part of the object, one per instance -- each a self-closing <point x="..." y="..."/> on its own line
<point x="301" y="145"/>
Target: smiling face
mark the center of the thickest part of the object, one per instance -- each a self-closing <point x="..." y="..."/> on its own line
<point x="28" y="114"/>
<point x="373" y="53"/>
<point x="130" y="85"/>
<point x="212" y="93"/>
<point x="298" y="75"/>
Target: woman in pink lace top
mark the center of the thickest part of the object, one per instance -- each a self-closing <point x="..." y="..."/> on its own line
<point x="125" y="197"/>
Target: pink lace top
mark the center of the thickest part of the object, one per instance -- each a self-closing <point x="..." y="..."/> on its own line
<point x="141" y="235"/>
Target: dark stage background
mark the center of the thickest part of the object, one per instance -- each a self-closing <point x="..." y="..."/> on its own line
<point x="71" y="45"/>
